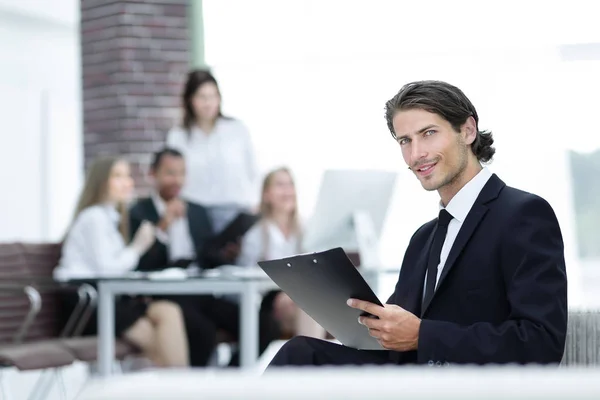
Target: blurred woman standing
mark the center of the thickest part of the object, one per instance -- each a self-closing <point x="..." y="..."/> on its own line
<point x="221" y="166"/>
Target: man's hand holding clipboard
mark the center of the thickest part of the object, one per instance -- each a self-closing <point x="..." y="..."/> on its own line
<point x="322" y="284"/>
<point x="394" y="327"/>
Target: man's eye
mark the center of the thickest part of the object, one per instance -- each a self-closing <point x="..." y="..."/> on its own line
<point x="429" y="132"/>
<point x="403" y="141"/>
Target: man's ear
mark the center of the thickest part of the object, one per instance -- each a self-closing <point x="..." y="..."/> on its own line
<point x="469" y="130"/>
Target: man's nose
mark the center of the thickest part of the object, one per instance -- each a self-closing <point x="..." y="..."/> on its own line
<point x="417" y="151"/>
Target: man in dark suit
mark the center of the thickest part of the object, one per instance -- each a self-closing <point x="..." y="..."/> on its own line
<point x="184" y="239"/>
<point x="485" y="282"/>
<point x="184" y="228"/>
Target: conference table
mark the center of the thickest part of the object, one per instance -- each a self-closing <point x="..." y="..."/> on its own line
<point x="246" y="282"/>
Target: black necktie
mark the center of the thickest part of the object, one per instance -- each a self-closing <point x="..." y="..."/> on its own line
<point x="434" y="254"/>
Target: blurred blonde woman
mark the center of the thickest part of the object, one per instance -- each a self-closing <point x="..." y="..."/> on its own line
<point x="95" y="247"/>
<point x="278" y="235"/>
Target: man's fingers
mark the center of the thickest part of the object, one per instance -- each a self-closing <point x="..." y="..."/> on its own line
<point x="371" y="323"/>
<point x="375" y="333"/>
<point x="366" y="306"/>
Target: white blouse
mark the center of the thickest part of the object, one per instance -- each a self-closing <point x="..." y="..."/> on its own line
<point x="279" y="246"/>
<point x="94" y="247"/>
<point x="221" y="166"/>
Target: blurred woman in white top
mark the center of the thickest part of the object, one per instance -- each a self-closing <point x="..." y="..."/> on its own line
<point x="221" y="166"/>
<point x="278" y="234"/>
<point x="95" y="247"/>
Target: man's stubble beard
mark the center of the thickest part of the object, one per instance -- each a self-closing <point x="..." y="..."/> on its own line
<point x="454" y="176"/>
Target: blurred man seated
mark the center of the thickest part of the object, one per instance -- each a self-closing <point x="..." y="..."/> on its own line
<point x="184" y="234"/>
<point x="184" y="228"/>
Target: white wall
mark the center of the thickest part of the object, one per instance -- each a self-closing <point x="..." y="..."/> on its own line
<point x="40" y="110"/>
<point x="310" y="78"/>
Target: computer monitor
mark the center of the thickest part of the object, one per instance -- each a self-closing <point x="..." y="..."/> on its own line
<point x="350" y="212"/>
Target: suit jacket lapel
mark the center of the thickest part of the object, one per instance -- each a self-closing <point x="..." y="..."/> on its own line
<point x="489" y="192"/>
<point x="152" y="214"/>
<point x="194" y="225"/>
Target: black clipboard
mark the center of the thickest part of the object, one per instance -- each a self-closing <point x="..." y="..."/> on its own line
<point x="237" y="228"/>
<point x="320" y="284"/>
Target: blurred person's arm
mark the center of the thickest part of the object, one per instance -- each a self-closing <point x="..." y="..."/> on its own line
<point x="208" y="254"/>
<point x="109" y="260"/>
<point x="214" y="256"/>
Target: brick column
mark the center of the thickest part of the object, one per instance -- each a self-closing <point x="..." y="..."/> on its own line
<point x="135" y="55"/>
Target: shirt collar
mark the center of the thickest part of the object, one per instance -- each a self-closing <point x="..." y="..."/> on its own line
<point x="463" y="201"/>
<point x="276" y="232"/>
<point x="217" y="128"/>
<point x="158" y="202"/>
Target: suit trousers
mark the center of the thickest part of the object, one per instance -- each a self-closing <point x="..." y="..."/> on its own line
<point x="307" y="351"/>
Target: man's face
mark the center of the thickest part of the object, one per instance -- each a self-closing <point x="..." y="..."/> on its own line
<point x="434" y="151"/>
<point x="169" y="176"/>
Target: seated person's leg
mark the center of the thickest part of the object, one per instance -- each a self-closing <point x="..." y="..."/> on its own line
<point x="307" y="351"/>
<point x="285" y="312"/>
<point x="170" y="339"/>
<point x="291" y="319"/>
<point x="224" y="313"/>
<point x="306" y="326"/>
<point x="201" y="330"/>
<point x="282" y="311"/>
<point x="269" y="331"/>
<point x="160" y="334"/>
<point x="226" y="316"/>
<point x="201" y="335"/>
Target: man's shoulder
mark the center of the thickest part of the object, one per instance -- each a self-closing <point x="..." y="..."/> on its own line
<point x="516" y="207"/>
<point x="196" y="208"/>
<point x="424" y="231"/>
<point x="194" y="205"/>
<point x="518" y="199"/>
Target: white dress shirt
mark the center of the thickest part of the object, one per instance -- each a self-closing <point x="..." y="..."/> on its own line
<point x="253" y="246"/>
<point x="94" y="246"/>
<point x="178" y="238"/>
<point x="459" y="207"/>
<point x="221" y="166"/>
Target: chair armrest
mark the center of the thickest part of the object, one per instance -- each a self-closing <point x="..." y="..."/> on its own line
<point x="45" y="282"/>
<point x="86" y="304"/>
<point x="84" y="308"/>
<point x="69" y="328"/>
<point x="35" y="305"/>
<point x="92" y="295"/>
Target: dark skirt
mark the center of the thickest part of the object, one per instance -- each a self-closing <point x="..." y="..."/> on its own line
<point x="127" y="311"/>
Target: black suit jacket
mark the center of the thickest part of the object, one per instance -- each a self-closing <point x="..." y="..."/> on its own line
<point x="201" y="231"/>
<point x="502" y="295"/>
